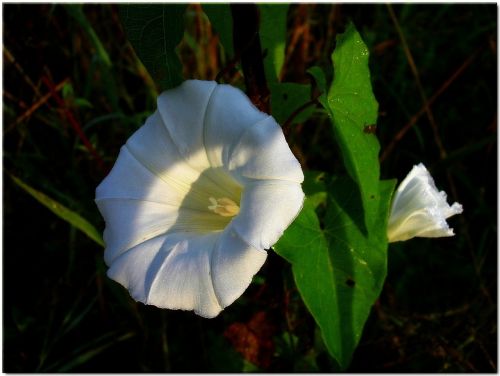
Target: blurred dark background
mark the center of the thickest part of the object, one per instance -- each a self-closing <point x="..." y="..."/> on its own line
<point x="67" y="110"/>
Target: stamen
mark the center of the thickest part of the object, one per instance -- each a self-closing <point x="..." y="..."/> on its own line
<point x="224" y="206"/>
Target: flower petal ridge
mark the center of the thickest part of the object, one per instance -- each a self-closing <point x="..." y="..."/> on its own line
<point x="419" y="209"/>
<point x="196" y="196"/>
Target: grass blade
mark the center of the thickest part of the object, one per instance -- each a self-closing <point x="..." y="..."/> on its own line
<point x="62" y="212"/>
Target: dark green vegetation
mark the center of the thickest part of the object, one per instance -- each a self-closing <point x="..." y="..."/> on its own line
<point x="74" y="91"/>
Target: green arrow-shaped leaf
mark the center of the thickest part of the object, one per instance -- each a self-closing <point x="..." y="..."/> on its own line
<point x="339" y="270"/>
<point x="353" y="110"/>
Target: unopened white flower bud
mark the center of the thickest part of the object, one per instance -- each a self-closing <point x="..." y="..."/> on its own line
<point x="419" y="209"/>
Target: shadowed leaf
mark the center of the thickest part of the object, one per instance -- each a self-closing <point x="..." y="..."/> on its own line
<point x="222" y="22"/>
<point x="155" y="30"/>
<point x="286" y="98"/>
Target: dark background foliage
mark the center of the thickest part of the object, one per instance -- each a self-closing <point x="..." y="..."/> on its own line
<point x="437" y="311"/>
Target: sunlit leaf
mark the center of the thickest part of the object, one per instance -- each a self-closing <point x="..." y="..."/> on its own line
<point x="62" y="212"/>
<point x="353" y="110"/>
<point x="339" y="269"/>
<point x="339" y="259"/>
<point x="155" y="30"/>
<point x="273" y="36"/>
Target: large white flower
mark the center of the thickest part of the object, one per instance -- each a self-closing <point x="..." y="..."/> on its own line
<point x="419" y="209"/>
<point x="195" y="198"/>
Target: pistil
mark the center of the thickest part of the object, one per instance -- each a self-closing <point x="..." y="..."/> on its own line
<point x="224" y="206"/>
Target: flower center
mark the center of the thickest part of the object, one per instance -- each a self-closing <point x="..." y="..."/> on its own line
<point x="224" y="206"/>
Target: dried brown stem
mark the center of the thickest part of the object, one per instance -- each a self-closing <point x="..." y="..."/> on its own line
<point x="35" y="106"/>
<point x="73" y="122"/>
<point x="18" y="67"/>
<point x="420" y="88"/>
<point x="413" y="120"/>
<point x="295" y="113"/>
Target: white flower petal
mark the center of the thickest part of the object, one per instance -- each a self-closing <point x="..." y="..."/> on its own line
<point x="183" y="278"/>
<point x="419" y="209"/>
<point x="170" y="272"/>
<point x="132" y="222"/>
<point x="174" y="148"/>
<point x="247" y="141"/>
<point x="183" y="111"/>
<point x="267" y="209"/>
<point x="132" y="180"/>
<point x="234" y="263"/>
<point x="263" y="153"/>
<point x="153" y="147"/>
<point x="135" y="269"/>
<point x="229" y="115"/>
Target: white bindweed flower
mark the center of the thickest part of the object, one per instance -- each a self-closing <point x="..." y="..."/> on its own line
<point x="195" y="198"/>
<point x="419" y="209"/>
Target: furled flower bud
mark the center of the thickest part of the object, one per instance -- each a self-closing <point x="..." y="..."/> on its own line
<point x="419" y="209"/>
